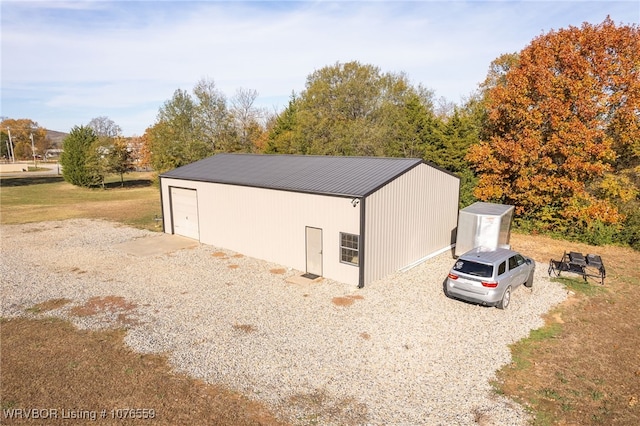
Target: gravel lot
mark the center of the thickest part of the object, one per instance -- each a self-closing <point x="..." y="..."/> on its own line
<point x="400" y="354"/>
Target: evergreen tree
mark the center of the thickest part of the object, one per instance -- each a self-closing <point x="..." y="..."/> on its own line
<point x="78" y="147"/>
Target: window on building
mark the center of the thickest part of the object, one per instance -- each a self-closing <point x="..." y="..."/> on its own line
<point x="349" y="248"/>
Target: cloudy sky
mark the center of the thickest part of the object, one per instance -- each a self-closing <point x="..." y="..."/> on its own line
<point x="66" y="62"/>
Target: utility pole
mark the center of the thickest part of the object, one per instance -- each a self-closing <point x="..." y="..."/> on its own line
<point x="33" y="150"/>
<point x="11" y="153"/>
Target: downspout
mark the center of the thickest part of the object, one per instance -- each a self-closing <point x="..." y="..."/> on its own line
<point x="361" y="253"/>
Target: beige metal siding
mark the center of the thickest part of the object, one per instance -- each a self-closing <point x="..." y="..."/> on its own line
<point x="270" y="224"/>
<point x="409" y="219"/>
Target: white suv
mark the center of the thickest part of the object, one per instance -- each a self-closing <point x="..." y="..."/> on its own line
<point x="489" y="276"/>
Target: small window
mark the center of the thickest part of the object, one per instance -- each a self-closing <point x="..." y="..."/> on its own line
<point x="502" y="268"/>
<point x="349" y="248"/>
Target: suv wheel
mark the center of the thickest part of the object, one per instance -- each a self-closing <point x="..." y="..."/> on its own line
<point x="445" y="288"/>
<point x="529" y="282"/>
<point x="506" y="298"/>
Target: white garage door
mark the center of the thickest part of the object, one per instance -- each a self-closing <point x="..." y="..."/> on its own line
<point x="184" y="210"/>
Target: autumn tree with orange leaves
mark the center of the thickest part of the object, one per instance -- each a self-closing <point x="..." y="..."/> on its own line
<point x="22" y="131"/>
<point x="562" y="137"/>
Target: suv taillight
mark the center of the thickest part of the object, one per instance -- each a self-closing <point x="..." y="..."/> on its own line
<point x="453" y="276"/>
<point x="489" y="284"/>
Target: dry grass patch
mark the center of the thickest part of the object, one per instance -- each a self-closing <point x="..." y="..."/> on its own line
<point x="48" y="305"/>
<point x="321" y="408"/>
<point x="346" y="300"/>
<point x="71" y="369"/>
<point x="246" y="328"/>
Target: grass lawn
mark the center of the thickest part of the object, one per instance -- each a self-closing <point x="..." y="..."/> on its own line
<point x="42" y="198"/>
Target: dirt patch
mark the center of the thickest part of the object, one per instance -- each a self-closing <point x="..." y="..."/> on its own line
<point x="234" y="266"/>
<point x="219" y="254"/>
<point x="110" y="305"/>
<point x="278" y="271"/>
<point x="97" y="305"/>
<point x="62" y="360"/>
<point x="246" y="328"/>
<point x="365" y="336"/>
<point x="346" y="300"/>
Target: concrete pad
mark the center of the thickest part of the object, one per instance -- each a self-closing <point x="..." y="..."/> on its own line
<point x="299" y="279"/>
<point x="13" y="167"/>
<point x="155" y="245"/>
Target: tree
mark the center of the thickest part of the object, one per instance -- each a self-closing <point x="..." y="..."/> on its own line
<point x="448" y="147"/>
<point x="79" y="147"/>
<point x="22" y="130"/>
<point x="174" y="140"/>
<point x="96" y="163"/>
<point x="104" y="127"/>
<point x="246" y="119"/>
<point x="120" y="159"/>
<point x="559" y="119"/>
<point x="498" y="70"/>
<point x="189" y="128"/>
<point x="283" y="137"/>
<point x="338" y="110"/>
<point x="212" y="116"/>
<point x="352" y="109"/>
<point x="411" y="129"/>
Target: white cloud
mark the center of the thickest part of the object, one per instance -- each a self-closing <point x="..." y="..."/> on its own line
<point x="123" y="59"/>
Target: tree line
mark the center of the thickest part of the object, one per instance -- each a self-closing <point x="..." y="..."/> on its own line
<point x="554" y="129"/>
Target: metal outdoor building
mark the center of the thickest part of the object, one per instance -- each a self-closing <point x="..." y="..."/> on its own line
<point x="351" y="219"/>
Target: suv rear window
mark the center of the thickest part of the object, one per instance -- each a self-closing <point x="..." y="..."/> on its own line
<point x="473" y="268"/>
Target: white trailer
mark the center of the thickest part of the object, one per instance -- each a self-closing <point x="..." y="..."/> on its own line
<point x="485" y="225"/>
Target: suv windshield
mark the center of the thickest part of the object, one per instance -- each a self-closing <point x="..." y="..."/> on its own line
<point x="473" y="268"/>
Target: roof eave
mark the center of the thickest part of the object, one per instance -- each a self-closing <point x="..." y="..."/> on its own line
<point x="300" y="191"/>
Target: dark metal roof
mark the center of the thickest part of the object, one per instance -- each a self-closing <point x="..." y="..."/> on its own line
<point x="341" y="176"/>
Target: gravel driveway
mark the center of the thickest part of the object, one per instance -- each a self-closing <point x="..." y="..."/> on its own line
<point x="400" y="353"/>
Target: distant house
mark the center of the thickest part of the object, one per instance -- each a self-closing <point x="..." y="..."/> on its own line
<point x="52" y="153"/>
<point x="351" y="219"/>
